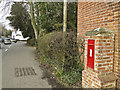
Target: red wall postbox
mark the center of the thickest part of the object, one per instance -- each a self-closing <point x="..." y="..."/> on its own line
<point x="90" y="53"/>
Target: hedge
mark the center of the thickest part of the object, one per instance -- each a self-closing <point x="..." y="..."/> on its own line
<point x="60" y="50"/>
<point x="31" y="42"/>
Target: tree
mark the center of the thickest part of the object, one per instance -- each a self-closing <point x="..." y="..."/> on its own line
<point x="33" y="19"/>
<point x="51" y="16"/>
<point x="72" y="16"/>
<point x="5" y="32"/>
<point x="20" y="19"/>
<point x="48" y="16"/>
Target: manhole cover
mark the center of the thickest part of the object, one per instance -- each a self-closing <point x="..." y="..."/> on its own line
<point x="24" y="71"/>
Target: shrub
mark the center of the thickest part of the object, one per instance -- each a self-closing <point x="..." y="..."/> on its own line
<point x="74" y="75"/>
<point x="31" y="42"/>
<point x="56" y="49"/>
<point x="50" y="46"/>
<point x="60" y="50"/>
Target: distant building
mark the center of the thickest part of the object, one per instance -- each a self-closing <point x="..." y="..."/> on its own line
<point x="18" y="35"/>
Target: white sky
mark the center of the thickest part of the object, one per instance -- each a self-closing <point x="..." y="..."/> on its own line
<point x="3" y="14"/>
<point x="6" y="12"/>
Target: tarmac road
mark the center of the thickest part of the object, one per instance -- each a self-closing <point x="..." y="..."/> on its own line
<point x="19" y="69"/>
<point x="0" y="69"/>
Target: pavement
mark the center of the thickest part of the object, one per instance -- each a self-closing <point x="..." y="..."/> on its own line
<point x="0" y="68"/>
<point x="19" y="69"/>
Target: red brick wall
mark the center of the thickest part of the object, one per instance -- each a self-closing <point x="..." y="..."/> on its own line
<point x="103" y="63"/>
<point x="92" y="15"/>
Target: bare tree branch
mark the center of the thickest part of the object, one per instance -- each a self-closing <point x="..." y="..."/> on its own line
<point x="5" y="6"/>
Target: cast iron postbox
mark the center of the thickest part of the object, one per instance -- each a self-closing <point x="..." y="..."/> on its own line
<point x="90" y="53"/>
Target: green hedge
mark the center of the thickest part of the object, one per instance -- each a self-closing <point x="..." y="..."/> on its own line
<point x="31" y="42"/>
<point x="60" y="50"/>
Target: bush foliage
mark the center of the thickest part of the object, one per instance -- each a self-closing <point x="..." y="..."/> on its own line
<point x="60" y="50"/>
<point x="31" y="42"/>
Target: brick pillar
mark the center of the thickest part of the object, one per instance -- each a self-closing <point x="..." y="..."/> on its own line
<point x="102" y="75"/>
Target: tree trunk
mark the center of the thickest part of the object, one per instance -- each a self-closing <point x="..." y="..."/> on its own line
<point x="33" y="20"/>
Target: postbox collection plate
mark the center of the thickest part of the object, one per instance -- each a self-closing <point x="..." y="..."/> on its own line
<point x="90" y="53"/>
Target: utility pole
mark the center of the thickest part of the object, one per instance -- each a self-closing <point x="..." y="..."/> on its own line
<point x="65" y="16"/>
<point x="64" y="29"/>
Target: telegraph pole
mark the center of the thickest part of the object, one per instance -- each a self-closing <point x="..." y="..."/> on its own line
<point x="65" y="16"/>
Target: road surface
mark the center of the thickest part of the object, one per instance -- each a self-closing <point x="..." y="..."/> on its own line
<point x="19" y="69"/>
<point x="0" y="69"/>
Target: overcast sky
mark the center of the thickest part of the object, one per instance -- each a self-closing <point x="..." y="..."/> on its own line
<point x="6" y="12"/>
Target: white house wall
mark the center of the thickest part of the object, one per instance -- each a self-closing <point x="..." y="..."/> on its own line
<point x="15" y="33"/>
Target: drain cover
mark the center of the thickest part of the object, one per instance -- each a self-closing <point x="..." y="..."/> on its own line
<point x="24" y="71"/>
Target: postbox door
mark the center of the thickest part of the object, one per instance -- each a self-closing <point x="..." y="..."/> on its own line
<point x="90" y="53"/>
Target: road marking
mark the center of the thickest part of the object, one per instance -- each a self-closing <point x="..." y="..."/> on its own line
<point x="6" y="50"/>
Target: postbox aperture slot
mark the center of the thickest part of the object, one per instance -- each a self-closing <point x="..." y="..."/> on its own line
<point x="90" y="52"/>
